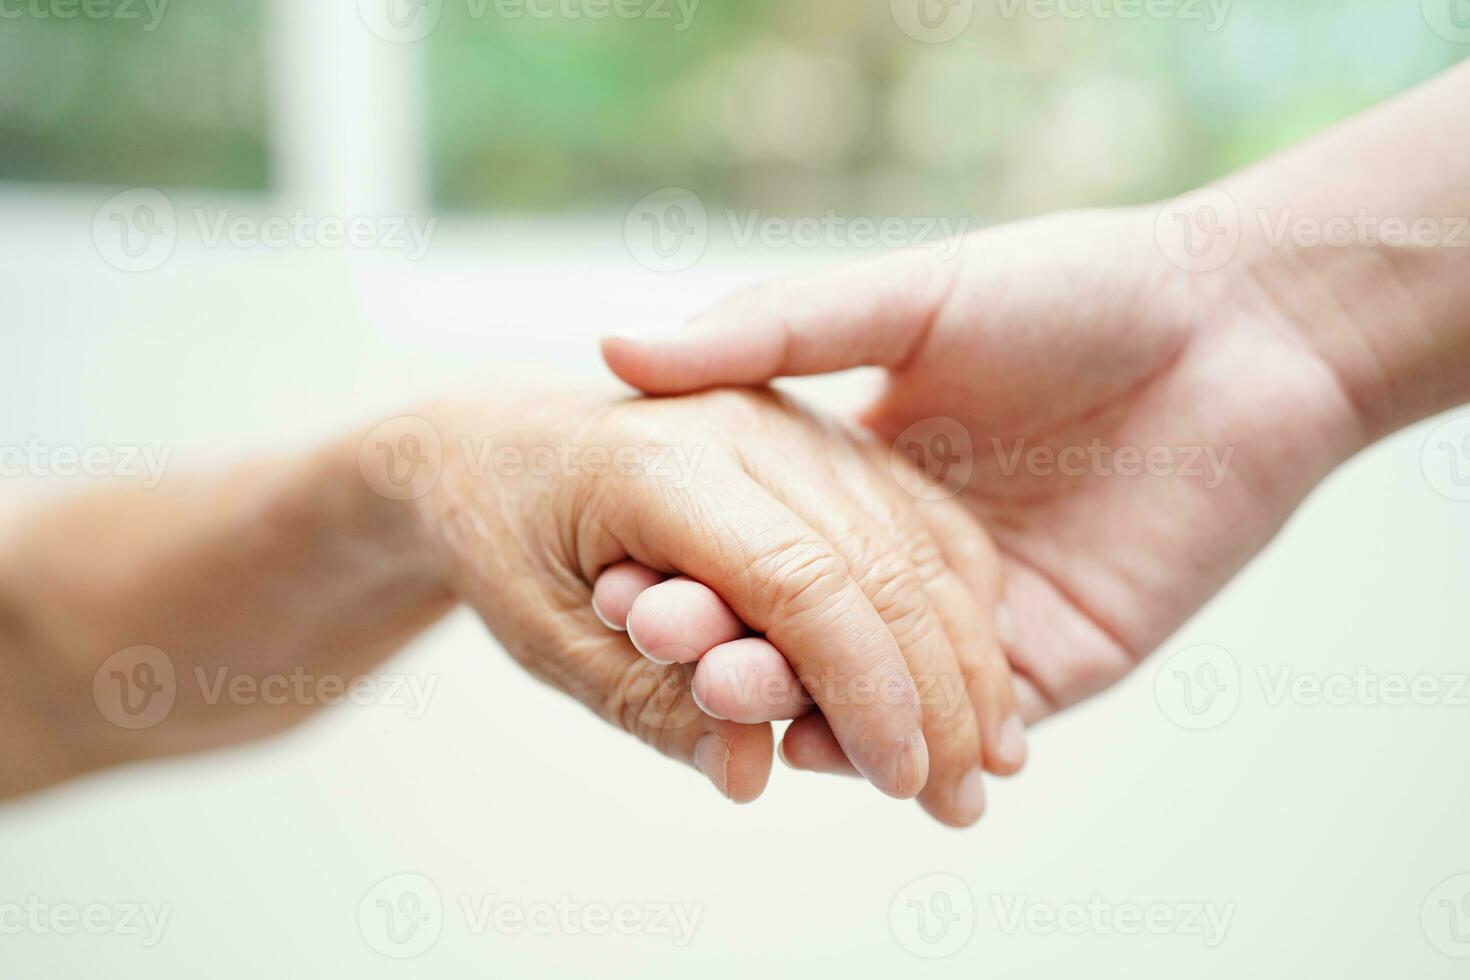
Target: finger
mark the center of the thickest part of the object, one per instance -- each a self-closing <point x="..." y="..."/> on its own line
<point x="871" y="313"/>
<point x="809" y="745"/>
<point x="654" y="703"/>
<point x="1033" y="705"/>
<point x="895" y="564"/>
<point x="784" y="579"/>
<point x="679" y="620"/>
<point x="749" y="681"/>
<point x="574" y="652"/>
<point x="616" y="589"/>
<point x="973" y="590"/>
<point x="1060" y="651"/>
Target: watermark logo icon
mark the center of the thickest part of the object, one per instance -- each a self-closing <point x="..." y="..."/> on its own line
<point x="136" y="230"/>
<point x="135" y="688"/>
<point x="932" y="21"/>
<point x="1198" y="688"/>
<point x="402" y="458"/>
<point x="1446" y="917"/>
<point x="668" y="230"/>
<point x="400" y="21"/>
<point x="1446" y="459"/>
<point x="401" y="916"/>
<point x="1200" y="231"/>
<point x="933" y="916"/>
<point x="933" y="459"/>
<point x="1450" y="19"/>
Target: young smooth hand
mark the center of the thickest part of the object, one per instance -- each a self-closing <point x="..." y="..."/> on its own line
<point x="1136" y="400"/>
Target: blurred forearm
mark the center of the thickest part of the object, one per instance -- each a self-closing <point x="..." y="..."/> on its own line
<point x="266" y="568"/>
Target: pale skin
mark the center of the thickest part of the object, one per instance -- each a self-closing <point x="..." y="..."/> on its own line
<point x="1056" y="331"/>
<point x="310" y="565"/>
<point x="1077" y="329"/>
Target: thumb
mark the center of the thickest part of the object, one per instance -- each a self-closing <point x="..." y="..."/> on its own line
<point x="873" y="313"/>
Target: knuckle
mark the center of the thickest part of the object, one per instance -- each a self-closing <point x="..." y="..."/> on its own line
<point x="797" y="580"/>
<point x="926" y="557"/>
<point x="896" y="589"/>
<point x="916" y="541"/>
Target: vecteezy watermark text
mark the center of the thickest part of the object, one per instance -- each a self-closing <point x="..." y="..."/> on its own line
<point x="1363" y="687"/>
<point x="403" y="458"/>
<point x="403" y="916"/>
<point x="411" y="692"/>
<point x="935" y="915"/>
<point x="670" y="230"/>
<point x="935" y="458"/>
<point x="1200" y="687"/>
<point x="138" y="230"/>
<point x="1209" y="463"/>
<point x="406" y="233"/>
<point x="1211" y="14"/>
<point x="1202" y="231"/>
<point x="138" y="688"/>
<point x="1206" y="922"/>
<point x="944" y="693"/>
<point x="38" y="460"/>
<point x="938" y="21"/>
<point x="565" y="916"/>
<point x="149" y="13"/>
<point x="409" y="21"/>
<point x="142" y="921"/>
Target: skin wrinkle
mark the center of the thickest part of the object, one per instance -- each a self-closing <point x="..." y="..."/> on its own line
<point x="726" y="523"/>
<point x="900" y="595"/>
<point x="1269" y="279"/>
<point x="1113" y="635"/>
<point x="519" y="540"/>
<point x="1005" y="520"/>
<point x="1059" y="316"/>
<point x="1405" y="298"/>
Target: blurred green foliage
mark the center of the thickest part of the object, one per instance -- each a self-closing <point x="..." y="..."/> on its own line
<point x="794" y="105"/>
<point x="557" y="113"/>
<point x="133" y="98"/>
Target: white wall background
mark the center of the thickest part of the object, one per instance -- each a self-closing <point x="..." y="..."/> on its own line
<point x="1322" y="831"/>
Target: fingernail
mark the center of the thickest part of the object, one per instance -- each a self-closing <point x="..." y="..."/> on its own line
<point x="781" y="753"/>
<point x="1005" y="626"/>
<point x="913" y="767"/>
<point x="639" y="647"/>
<point x="605" y="621"/>
<point x="969" y="797"/>
<point x="1012" y="745"/>
<point x="694" y="692"/>
<point x="712" y="757"/>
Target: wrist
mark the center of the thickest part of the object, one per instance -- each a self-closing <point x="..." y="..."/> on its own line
<point x="368" y="490"/>
<point x="1361" y="239"/>
<point x="1382" y="301"/>
<point x="1210" y="276"/>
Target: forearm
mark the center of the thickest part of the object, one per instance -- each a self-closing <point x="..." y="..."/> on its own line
<point x="1362" y="236"/>
<point x="279" y="565"/>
